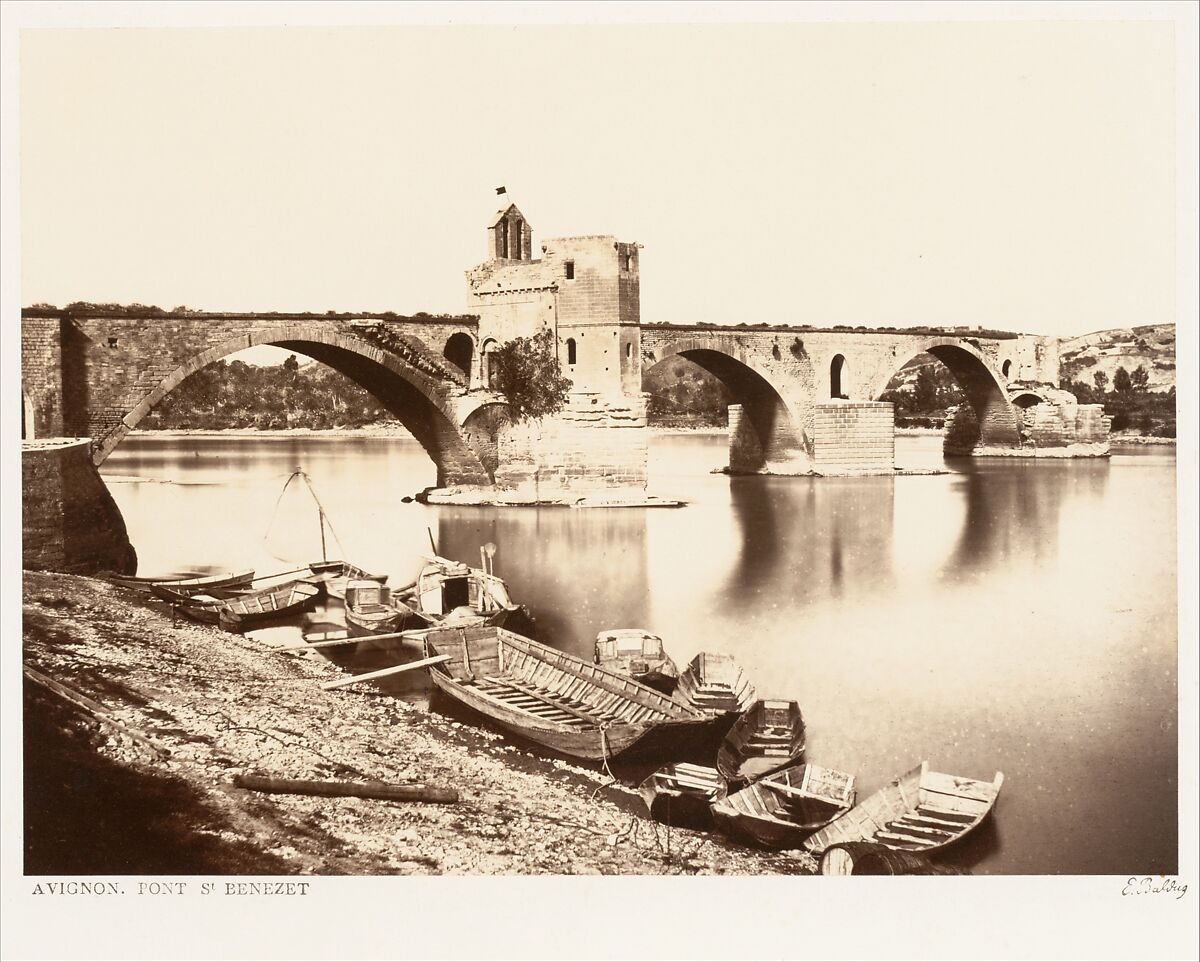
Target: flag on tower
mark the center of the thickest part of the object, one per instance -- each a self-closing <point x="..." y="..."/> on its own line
<point x="501" y="190"/>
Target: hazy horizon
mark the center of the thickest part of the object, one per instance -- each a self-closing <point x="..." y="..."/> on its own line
<point x="1017" y="176"/>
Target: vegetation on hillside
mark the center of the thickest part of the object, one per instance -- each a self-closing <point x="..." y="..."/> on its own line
<point x="922" y="391"/>
<point x="683" y="393"/>
<point x="1129" y="401"/>
<point x="234" y="394"/>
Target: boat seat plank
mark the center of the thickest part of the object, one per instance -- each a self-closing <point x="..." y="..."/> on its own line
<point x="519" y="687"/>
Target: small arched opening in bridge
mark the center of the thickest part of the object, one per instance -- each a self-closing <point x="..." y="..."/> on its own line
<point x="1005" y="369"/>
<point x="951" y="384"/>
<point x="460" y="351"/>
<point x="375" y="381"/>
<point x="699" y="384"/>
<point x="487" y="370"/>
<point x="837" y="374"/>
<point x="572" y="352"/>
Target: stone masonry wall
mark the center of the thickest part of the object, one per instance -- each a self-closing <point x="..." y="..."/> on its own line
<point x="594" y="443"/>
<point x="854" y="437"/>
<point x="41" y="374"/>
<point x="110" y="363"/>
<point x="70" y="522"/>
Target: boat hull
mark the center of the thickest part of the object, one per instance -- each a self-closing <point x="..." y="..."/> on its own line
<point x="556" y="700"/>
<point x="920" y="811"/>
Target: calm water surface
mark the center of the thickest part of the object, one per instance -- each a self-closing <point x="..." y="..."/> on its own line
<point x="1009" y="615"/>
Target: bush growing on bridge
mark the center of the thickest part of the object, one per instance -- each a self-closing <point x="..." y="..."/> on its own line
<point x="527" y="371"/>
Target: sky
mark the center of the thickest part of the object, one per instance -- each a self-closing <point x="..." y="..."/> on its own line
<point x="1014" y="175"/>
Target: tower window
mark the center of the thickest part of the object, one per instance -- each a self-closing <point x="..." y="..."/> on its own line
<point x="112" y="341"/>
<point x="570" y="268"/>
<point x="629" y="349"/>
<point x="571" y="350"/>
<point x="628" y="262"/>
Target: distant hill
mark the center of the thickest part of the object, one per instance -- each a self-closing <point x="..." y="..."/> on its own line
<point x="1151" y="346"/>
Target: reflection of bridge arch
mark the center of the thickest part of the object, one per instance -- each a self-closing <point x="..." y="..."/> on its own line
<point x="418" y="400"/>
<point x="771" y="429"/>
<point x="984" y="386"/>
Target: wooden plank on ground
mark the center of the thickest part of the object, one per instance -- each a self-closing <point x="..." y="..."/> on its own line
<point x="384" y="672"/>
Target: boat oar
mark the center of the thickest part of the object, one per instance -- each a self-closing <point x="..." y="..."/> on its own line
<point x="351" y="640"/>
<point x="384" y="672"/>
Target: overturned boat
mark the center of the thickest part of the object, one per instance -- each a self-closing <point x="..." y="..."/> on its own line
<point x="784" y="809"/>
<point x="920" y="811"/>
<point x="554" y="698"/>
<point x="638" y="654"/>
<point x="768" y="737"/>
<point x="715" y="683"/>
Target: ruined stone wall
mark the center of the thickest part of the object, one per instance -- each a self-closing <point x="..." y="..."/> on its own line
<point x="854" y="437"/>
<point x="596" y="442"/>
<point x="109" y="364"/>
<point x="69" y="519"/>
<point x="41" y="375"/>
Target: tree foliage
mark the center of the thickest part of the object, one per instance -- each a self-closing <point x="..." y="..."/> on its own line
<point x="233" y="394"/>
<point x="1131" y="404"/>
<point x="526" y="370"/>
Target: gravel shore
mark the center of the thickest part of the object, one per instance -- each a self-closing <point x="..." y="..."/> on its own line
<point x="224" y="704"/>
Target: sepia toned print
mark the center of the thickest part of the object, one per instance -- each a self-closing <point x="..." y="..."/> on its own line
<point x="444" y="455"/>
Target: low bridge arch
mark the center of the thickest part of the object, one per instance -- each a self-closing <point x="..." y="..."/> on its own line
<point x="422" y="401"/>
<point x="985" y="387"/>
<point x="771" y="417"/>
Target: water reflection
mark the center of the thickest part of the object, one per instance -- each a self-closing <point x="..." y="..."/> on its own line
<point x="1008" y="615"/>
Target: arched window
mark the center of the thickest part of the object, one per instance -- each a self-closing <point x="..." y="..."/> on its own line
<point x="486" y="373"/>
<point x="571" y="352"/>
<point x="629" y="349"/>
<point x="837" y="369"/>
<point x="1007" y="367"/>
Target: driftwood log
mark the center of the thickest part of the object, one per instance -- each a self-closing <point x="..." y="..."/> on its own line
<point x="382" y="790"/>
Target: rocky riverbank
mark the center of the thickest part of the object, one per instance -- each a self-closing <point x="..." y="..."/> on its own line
<point x="222" y="705"/>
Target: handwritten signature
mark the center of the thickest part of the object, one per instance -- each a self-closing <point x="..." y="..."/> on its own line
<point x="1151" y="885"/>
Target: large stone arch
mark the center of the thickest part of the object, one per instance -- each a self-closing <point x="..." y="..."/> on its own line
<point x="984" y="386"/>
<point x="770" y="423"/>
<point x="419" y="401"/>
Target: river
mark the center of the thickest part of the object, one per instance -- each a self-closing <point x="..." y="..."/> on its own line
<point x="1008" y="615"/>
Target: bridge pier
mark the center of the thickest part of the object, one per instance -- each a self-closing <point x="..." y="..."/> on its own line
<point x="1045" y="423"/>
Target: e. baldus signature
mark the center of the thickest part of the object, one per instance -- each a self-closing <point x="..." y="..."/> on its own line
<point x="1154" y="885"/>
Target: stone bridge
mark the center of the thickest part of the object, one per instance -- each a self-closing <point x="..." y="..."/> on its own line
<point x="96" y="373"/>
<point x="807" y="399"/>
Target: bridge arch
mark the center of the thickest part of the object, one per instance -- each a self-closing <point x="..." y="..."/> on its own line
<point x="996" y="422"/>
<point x="417" y="399"/>
<point x="770" y="430"/>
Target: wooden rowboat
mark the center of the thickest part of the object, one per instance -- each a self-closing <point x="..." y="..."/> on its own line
<point x="226" y="579"/>
<point x="783" y="810"/>
<point x="682" y="794"/>
<point x="917" y="812"/>
<point x="450" y="593"/>
<point x="768" y="737"/>
<point x="237" y="614"/>
<point x="370" y="610"/>
<point x="714" y="682"/>
<point x="337" y="576"/>
<point x="554" y="698"/>
<point x="638" y="654"/>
